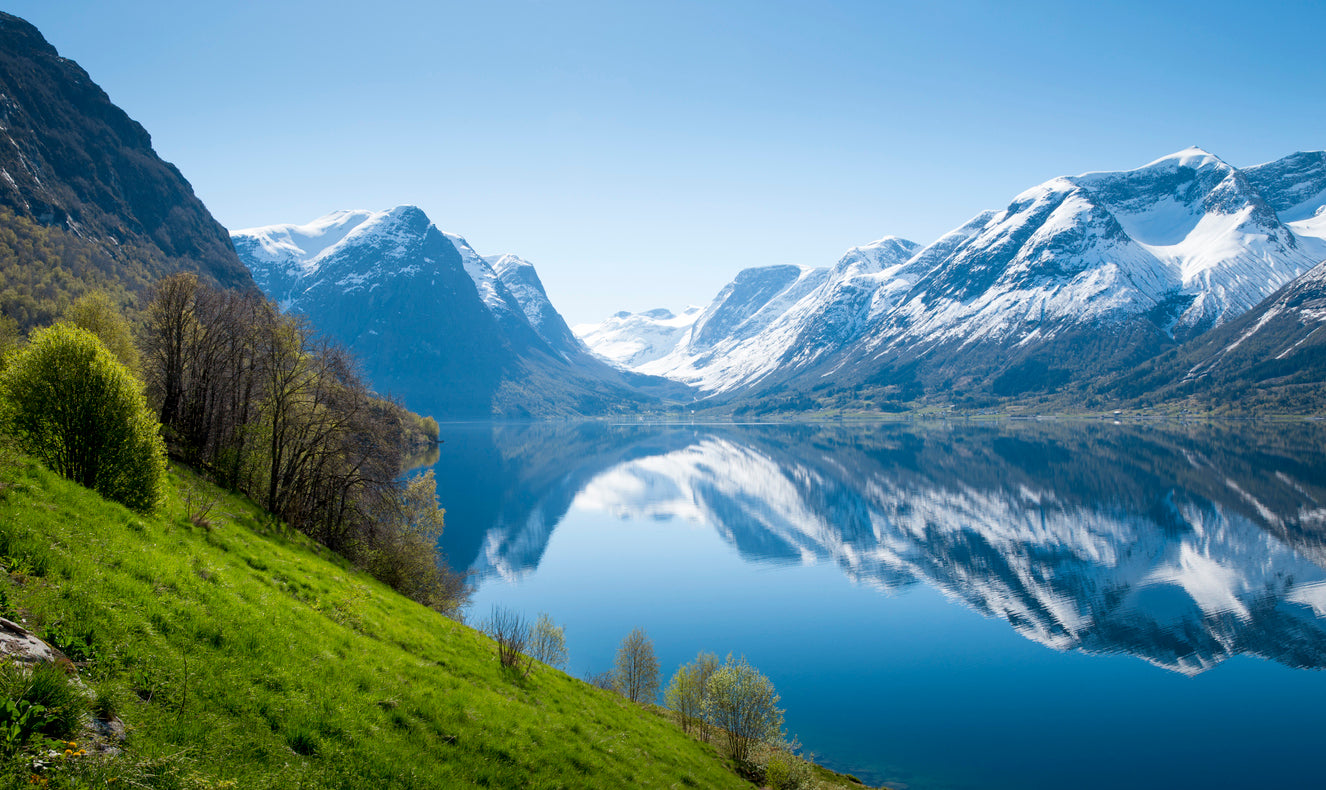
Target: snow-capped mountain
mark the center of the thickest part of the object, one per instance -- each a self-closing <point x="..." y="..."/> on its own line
<point x="432" y="321"/>
<point x="1078" y="276"/>
<point x="761" y="320"/>
<point x="630" y="340"/>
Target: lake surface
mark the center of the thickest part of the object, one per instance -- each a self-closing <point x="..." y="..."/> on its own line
<point x="942" y="606"/>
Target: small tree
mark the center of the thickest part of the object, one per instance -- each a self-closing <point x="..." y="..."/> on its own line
<point x="743" y="705"/>
<point x="70" y="403"/>
<point x="635" y="672"/>
<point x="685" y="693"/>
<point x="548" y="642"/>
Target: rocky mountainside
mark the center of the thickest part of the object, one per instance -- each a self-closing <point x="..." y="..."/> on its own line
<point x="434" y="323"/>
<point x="1078" y="277"/>
<point x="523" y="283"/>
<point x="1273" y="357"/>
<point x="76" y="170"/>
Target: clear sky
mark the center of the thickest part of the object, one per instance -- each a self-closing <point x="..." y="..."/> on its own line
<point x="640" y="154"/>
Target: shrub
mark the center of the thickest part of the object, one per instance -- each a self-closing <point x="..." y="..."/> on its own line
<point x="780" y="768"/>
<point x="72" y="405"/>
<point x="511" y="633"/>
<point x="635" y="671"/>
<point x="743" y="705"/>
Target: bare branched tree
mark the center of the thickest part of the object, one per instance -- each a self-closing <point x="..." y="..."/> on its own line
<point x="635" y="671"/>
<point x="509" y="630"/>
<point x="548" y="642"/>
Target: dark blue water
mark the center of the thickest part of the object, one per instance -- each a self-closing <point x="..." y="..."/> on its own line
<point x="940" y="606"/>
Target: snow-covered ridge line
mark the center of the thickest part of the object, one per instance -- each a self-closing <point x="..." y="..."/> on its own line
<point x="1174" y="248"/>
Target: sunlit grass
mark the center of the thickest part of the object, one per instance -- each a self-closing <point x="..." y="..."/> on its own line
<point x="239" y="654"/>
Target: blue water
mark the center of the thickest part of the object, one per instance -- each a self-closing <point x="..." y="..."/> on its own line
<point x="940" y="607"/>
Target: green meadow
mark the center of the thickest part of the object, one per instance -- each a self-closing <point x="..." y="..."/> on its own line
<point x="241" y="654"/>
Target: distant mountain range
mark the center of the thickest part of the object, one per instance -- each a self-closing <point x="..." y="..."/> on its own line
<point x="434" y="323"/>
<point x="1078" y="278"/>
<point x="1186" y="279"/>
<point x="1080" y="285"/>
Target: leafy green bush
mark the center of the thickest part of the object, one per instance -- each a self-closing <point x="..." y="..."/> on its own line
<point x="742" y="704"/>
<point x="68" y="402"/>
<point x="781" y="769"/>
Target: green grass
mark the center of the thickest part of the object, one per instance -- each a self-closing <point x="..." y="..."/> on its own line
<point x="240" y="655"/>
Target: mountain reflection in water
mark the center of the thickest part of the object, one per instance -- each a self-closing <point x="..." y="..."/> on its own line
<point x="1180" y="545"/>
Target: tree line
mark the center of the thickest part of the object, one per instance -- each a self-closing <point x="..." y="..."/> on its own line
<point x="249" y="396"/>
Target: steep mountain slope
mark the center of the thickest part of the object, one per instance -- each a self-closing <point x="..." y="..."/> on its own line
<point x="432" y="321"/>
<point x="75" y="166"/>
<point x="1273" y="357"/>
<point x="523" y="283"/>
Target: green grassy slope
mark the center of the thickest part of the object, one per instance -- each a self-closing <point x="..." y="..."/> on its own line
<point x="242" y="656"/>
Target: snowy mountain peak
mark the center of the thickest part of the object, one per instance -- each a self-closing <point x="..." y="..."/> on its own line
<point x="876" y="256"/>
<point x="1192" y="156"/>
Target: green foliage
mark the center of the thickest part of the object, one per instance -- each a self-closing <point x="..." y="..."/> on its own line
<point x="780" y="768"/>
<point x="96" y="312"/>
<point x="742" y="704"/>
<point x="403" y="552"/>
<point x="635" y="670"/>
<point x="70" y="403"/>
<point x="11" y="339"/>
<point x="38" y="703"/>
<point x="43" y="269"/>
<point x="685" y="692"/>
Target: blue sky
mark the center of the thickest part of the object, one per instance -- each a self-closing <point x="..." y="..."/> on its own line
<point x="641" y="153"/>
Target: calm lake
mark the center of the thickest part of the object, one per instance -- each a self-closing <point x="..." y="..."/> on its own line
<point x="942" y="606"/>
